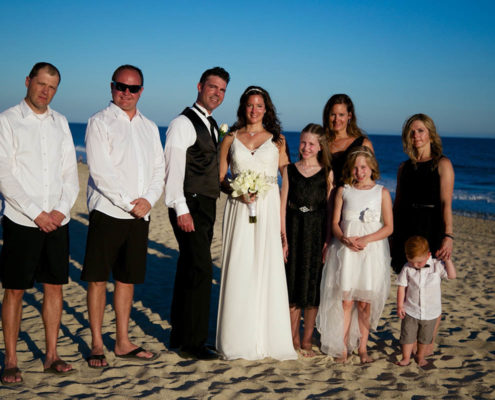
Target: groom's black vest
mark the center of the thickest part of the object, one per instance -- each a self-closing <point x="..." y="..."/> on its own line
<point x="201" y="161"/>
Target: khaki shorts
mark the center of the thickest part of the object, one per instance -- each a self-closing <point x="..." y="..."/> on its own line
<point x="412" y="330"/>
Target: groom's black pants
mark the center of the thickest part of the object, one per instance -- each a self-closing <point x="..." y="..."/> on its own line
<point x="191" y="299"/>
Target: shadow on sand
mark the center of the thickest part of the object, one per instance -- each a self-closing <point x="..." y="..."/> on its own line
<point x="155" y="294"/>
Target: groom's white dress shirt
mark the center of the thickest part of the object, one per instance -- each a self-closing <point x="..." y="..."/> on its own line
<point x="180" y="136"/>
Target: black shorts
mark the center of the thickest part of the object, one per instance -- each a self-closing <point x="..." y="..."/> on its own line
<point x="29" y="255"/>
<point x="115" y="245"/>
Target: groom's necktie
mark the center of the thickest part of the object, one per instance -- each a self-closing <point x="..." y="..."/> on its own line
<point x="213" y="124"/>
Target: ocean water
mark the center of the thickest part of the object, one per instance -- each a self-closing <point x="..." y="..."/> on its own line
<point x="473" y="160"/>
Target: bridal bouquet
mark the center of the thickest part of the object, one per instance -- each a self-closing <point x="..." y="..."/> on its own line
<point x="249" y="182"/>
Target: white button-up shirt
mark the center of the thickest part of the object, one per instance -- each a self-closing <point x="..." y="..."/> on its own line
<point x="38" y="169"/>
<point x="125" y="160"/>
<point x="423" y="295"/>
<point x="180" y="136"/>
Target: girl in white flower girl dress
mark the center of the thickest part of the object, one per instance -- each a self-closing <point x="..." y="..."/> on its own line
<point x="356" y="276"/>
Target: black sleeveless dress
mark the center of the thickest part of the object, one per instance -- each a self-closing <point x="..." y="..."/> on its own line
<point x="306" y="231"/>
<point x="339" y="158"/>
<point x="418" y="211"/>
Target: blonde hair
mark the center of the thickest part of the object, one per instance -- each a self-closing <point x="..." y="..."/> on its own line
<point x="347" y="175"/>
<point x="416" y="246"/>
<point x="435" y="141"/>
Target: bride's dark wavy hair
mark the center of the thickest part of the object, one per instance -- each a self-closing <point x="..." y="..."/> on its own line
<point x="270" y="119"/>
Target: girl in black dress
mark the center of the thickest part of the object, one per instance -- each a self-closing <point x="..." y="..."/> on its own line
<point x="305" y="191"/>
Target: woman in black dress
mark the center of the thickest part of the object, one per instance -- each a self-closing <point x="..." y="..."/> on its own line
<point x="423" y="198"/>
<point x="343" y="133"/>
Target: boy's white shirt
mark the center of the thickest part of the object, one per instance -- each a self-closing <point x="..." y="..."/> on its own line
<point x="423" y="298"/>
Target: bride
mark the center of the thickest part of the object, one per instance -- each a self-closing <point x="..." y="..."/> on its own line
<point x="253" y="317"/>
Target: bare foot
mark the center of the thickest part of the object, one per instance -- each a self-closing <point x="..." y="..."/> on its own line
<point x="403" y="363"/>
<point x="307" y="351"/>
<point x="365" y="358"/>
<point x="422" y="362"/>
<point x="430" y="349"/>
<point x="342" y="359"/>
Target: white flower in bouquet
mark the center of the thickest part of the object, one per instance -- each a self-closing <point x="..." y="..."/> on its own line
<point x="370" y="215"/>
<point x="249" y="182"/>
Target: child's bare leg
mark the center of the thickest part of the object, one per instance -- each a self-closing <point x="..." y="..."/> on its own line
<point x="364" y="310"/>
<point x="309" y="325"/>
<point x="430" y="348"/>
<point x="406" y="354"/>
<point x="347" y="306"/>
<point x="421" y="353"/>
<point x="295" y="321"/>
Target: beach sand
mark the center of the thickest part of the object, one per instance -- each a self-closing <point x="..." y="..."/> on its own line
<point x="464" y="360"/>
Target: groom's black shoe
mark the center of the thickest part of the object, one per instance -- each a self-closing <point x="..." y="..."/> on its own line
<point x="175" y="341"/>
<point x="204" y="352"/>
<point x="173" y="344"/>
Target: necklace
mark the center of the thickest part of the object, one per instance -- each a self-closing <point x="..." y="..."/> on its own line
<point x="252" y="133"/>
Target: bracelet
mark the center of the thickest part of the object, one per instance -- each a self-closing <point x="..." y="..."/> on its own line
<point x="449" y="235"/>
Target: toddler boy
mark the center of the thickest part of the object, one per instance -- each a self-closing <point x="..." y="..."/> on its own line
<point x="420" y="305"/>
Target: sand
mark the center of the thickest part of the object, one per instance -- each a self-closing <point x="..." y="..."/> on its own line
<point x="464" y="360"/>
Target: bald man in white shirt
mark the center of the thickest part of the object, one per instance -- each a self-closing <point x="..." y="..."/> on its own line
<point x="39" y="185"/>
<point x="127" y="171"/>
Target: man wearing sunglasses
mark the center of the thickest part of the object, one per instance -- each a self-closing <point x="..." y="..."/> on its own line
<point x="191" y="189"/>
<point x="39" y="185"/>
<point x="126" y="168"/>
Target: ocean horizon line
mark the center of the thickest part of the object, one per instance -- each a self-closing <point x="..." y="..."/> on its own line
<point x="383" y="133"/>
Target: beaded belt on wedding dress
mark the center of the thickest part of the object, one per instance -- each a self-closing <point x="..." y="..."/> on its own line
<point x="271" y="179"/>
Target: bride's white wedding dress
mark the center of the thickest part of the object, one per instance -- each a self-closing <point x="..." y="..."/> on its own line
<point x="253" y="313"/>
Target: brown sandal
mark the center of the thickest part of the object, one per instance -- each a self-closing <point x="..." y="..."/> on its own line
<point x="8" y="372"/>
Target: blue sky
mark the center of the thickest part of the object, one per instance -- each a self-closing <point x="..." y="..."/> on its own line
<point x="394" y="58"/>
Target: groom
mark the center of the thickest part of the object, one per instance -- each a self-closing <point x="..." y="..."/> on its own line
<point x="191" y="190"/>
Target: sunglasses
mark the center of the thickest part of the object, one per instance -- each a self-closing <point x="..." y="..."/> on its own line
<point x="122" y="87"/>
